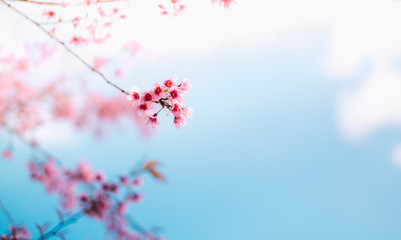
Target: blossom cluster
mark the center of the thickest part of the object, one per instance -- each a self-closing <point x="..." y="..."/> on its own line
<point x="16" y="233"/>
<point x="87" y="190"/>
<point x="26" y="106"/>
<point x="174" y="7"/>
<point x="167" y="95"/>
<point x="225" y="3"/>
<point x="89" y="20"/>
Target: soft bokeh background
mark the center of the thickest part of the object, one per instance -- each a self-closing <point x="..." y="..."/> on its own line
<point x="295" y="133"/>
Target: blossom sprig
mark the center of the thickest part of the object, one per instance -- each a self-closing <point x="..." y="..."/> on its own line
<point x="168" y="95"/>
<point x="93" y="195"/>
<point x="90" y="23"/>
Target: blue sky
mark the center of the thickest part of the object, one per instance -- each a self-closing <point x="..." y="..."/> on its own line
<point x="264" y="157"/>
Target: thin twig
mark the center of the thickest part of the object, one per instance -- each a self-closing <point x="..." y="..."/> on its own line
<point x="6" y="213"/>
<point x="136" y="225"/>
<point x="65" y="47"/>
<point x="56" y="229"/>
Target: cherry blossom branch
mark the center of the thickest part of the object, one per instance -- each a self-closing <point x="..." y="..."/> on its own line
<point x="65" y="47"/>
<point x="55" y="231"/>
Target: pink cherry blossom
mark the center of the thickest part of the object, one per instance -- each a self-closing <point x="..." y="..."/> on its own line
<point x="169" y="95"/>
<point x="7" y="154"/>
<point x="79" y="41"/>
<point x="225" y="3"/>
<point x="135" y="94"/>
<point x="137" y="182"/>
<point x="152" y="120"/>
<point x="49" y="14"/>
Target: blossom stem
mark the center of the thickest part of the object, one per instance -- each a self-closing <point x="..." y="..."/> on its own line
<point x="65" y="47"/>
<point x="159" y="110"/>
<point x="62" y="224"/>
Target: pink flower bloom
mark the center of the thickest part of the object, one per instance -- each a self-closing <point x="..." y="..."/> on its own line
<point x="97" y="207"/>
<point x="7" y="154"/>
<point x="184" y="85"/>
<point x="121" y="208"/>
<point x="179" y="121"/>
<point x="101" y="11"/>
<point x="175" y="96"/>
<point x="68" y="199"/>
<point x="119" y="73"/>
<point x="47" y="51"/>
<point x="84" y="198"/>
<point x="19" y="232"/>
<point x="110" y="187"/>
<point x="52" y="32"/>
<point x="135" y="94"/>
<point x="147" y="97"/>
<point x="226" y="3"/>
<point x="49" y="168"/>
<point x="135" y="198"/>
<point x="84" y="172"/>
<point x="187" y="112"/>
<point x="78" y="41"/>
<point x="76" y="21"/>
<point x="49" y="14"/>
<point x="100" y="176"/>
<point x="137" y="182"/>
<point x="169" y="82"/>
<point x="132" y="47"/>
<point x="152" y="121"/>
<point x="158" y="91"/>
<point x="169" y="95"/>
<point x="176" y="110"/>
<point x="145" y="108"/>
<point x="99" y="62"/>
<point x="90" y="2"/>
<point x="65" y="4"/>
<point x="124" y="180"/>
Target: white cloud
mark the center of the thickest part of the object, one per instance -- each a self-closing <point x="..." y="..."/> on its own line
<point x="365" y="31"/>
<point x="367" y="35"/>
<point x="57" y="135"/>
<point x="373" y="105"/>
